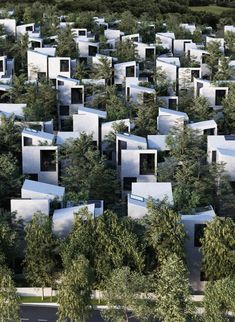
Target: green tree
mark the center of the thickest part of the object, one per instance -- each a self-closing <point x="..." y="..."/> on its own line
<point x="10" y="136"/>
<point x="146" y="119"/>
<point x="173" y="291"/>
<point x="85" y="167"/>
<point x="81" y="71"/>
<point x="212" y="59"/>
<point x="126" y="51"/>
<point x="10" y="179"/>
<point x="75" y="290"/>
<point x="229" y="110"/>
<point x="218" y="248"/>
<point x="117" y="245"/>
<point x="199" y="109"/>
<point x="17" y="89"/>
<point x="66" y="46"/>
<point x="122" y="291"/>
<point x="9" y="304"/>
<point x="39" y="253"/>
<point x="229" y="38"/>
<point x="164" y="231"/>
<point x="104" y="70"/>
<point x="219" y="299"/>
<point x="224" y="71"/>
<point x="110" y="138"/>
<point x="128" y="23"/>
<point x="19" y="52"/>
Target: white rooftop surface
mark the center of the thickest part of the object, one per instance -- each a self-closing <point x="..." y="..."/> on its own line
<point x="166" y="34"/>
<point x="38" y="134"/>
<point x="206" y="215"/>
<point x="16" y="109"/>
<point x="50" y="51"/>
<point x="157" y="142"/>
<point x="128" y="63"/>
<point x="166" y="111"/>
<point x="142" y="88"/>
<point x="87" y="81"/>
<point x="131" y="137"/>
<point x="82" y="110"/>
<point x="169" y="60"/>
<point x="68" y="79"/>
<point x="64" y="136"/>
<point x="226" y="152"/>
<point x="156" y="190"/>
<point x="219" y="141"/>
<point x="63" y="219"/>
<point x="36" y="189"/>
<point x="26" y="208"/>
<point x="203" y="125"/>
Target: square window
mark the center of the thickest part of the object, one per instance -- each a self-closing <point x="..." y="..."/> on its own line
<point x="29" y="28"/>
<point x="64" y="65"/>
<point x="147" y="163"/>
<point x="194" y="73"/>
<point x="41" y="75"/>
<point x="48" y="160"/>
<point x="64" y="110"/>
<point x="130" y="71"/>
<point x="198" y="234"/>
<point x="76" y="96"/>
<point x="213" y="156"/>
<point x="172" y="103"/>
<point x="149" y="53"/>
<point x="92" y="50"/>
<point x="32" y="176"/>
<point x="60" y="83"/>
<point x="28" y="141"/>
<point x="127" y="182"/>
<point x="82" y="33"/>
<point x="219" y="96"/>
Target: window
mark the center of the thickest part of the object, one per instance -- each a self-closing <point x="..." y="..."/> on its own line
<point x="122" y="145"/>
<point x="64" y="110"/>
<point x="60" y="83"/>
<point x="28" y="141"/>
<point x="147" y="163"/>
<point x="213" y="156"/>
<point x="127" y="181"/>
<point x="82" y="32"/>
<point x="128" y="94"/>
<point x="172" y="102"/>
<point x="76" y="96"/>
<point x="209" y="132"/>
<point x="219" y="96"/>
<point x="35" y="44"/>
<point x="194" y="73"/>
<point x="64" y="65"/>
<point x="53" y="80"/>
<point x="186" y="42"/>
<point x="148" y="98"/>
<point x="130" y="71"/>
<point x="199" y="86"/>
<point x="66" y="125"/>
<point x="1" y="65"/>
<point x="198" y="234"/>
<point x="204" y="58"/>
<point x="92" y="50"/>
<point x="48" y="160"/>
<point x="29" y="28"/>
<point x="149" y="53"/>
<point x="32" y="176"/>
<point x="41" y="75"/>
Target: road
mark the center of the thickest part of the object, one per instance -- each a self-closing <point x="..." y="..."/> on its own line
<point x="47" y="314"/>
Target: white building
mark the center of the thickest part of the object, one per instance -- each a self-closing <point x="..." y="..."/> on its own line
<point x="186" y="77"/>
<point x="123" y="71"/>
<point x="142" y="191"/>
<point x="169" y="65"/>
<point x="168" y="120"/>
<point x="9" y="26"/>
<point x="204" y="127"/>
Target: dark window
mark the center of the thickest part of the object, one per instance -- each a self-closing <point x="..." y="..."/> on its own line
<point x="149" y="53"/>
<point x="41" y="75"/>
<point x="130" y="71"/>
<point x="53" y="80"/>
<point x="1" y="65"/>
<point x="172" y="103"/>
<point x="199" y="86"/>
<point x="147" y="163"/>
<point x="64" y="110"/>
<point x="219" y="96"/>
<point x="209" y="132"/>
<point x="122" y="145"/>
<point x="204" y="58"/>
<point x="76" y="96"/>
<point x="213" y="156"/>
<point x="82" y="60"/>
<point x="136" y="39"/>
<point x="48" y="160"/>
<point x="92" y="50"/>
<point x="64" y="65"/>
<point x="29" y="28"/>
<point x="186" y="42"/>
<point x="128" y="94"/>
<point x="198" y="234"/>
<point x="32" y="176"/>
<point x="148" y="98"/>
<point x="203" y="277"/>
<point x="194" y="73"/>
<point x="127" y="181"/>
<point x="60" y="83"/>
<point x="66" y="125"/>
<point x="82" y="33"/>
<point x="28" y="141"/>
<point x="35" y="44"/>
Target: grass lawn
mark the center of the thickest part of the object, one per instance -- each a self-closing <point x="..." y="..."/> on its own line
<point x="212" y="9"/>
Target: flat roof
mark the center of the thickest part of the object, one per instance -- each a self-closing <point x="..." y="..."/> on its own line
<point x="44" y="188"/>
<point x="38" y="134"/>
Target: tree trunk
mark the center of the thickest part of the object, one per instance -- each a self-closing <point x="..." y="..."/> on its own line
<point x="42" y="293"/>
<point x="51" y="294"/>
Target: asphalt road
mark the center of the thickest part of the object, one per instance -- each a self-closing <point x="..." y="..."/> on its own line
<point x="47" y="314"/>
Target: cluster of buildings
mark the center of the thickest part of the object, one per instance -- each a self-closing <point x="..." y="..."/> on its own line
<point x="136" y="158"/>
